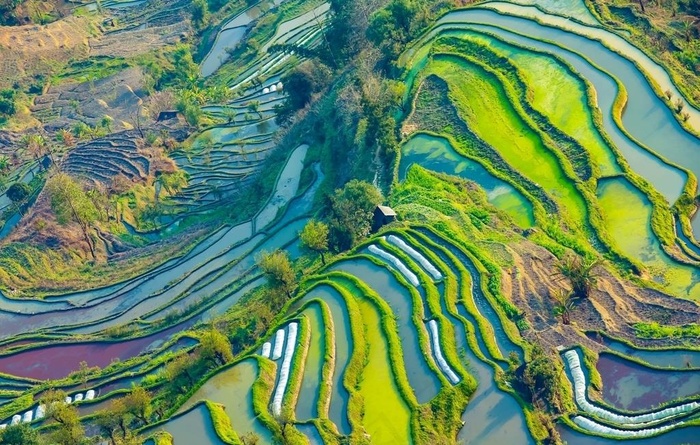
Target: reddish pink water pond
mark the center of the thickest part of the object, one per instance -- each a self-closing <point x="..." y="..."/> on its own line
<point x="55" y="362"/>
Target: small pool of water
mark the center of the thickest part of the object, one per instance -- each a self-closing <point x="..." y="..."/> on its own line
<point x="343" y="349"/>
<point x="193" y="427"/>
<point x="630" y="386"/>
<point x="663" y="358"/>
<point x="627" y="216"/>
<point x="492" y="416"/>
<point x="233" y="389"/>
<point x="437" y="154"/>
<point x="680" y="436"/>
<point x="306" y="408"/>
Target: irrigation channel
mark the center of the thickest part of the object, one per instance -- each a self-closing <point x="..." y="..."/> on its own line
<point x="408" y="320"/>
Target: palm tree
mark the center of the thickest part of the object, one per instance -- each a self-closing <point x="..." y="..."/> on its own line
<point x="230" y="115"/>
<point x="687" y="28"/>
<point x="66" y="137"/>
<point x="563" y="304"/>
<point x="254" y="107"/>
<point x="579" y="273"/>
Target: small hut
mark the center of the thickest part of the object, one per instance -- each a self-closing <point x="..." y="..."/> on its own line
<point x="167" y="115"/>
<point x="383" y="215"/>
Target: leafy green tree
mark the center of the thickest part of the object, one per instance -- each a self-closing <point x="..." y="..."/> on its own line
<point x="278" y="269"/>
<point x="81" y="130"/>
<point x="315" y="238"/>
<point x="200" y="13"/>
<point x="106" y="123"/>
<point x="20" y="434"/>
<point x="540" y="377"/>
<point x="216" y="347"/>
<point x="8" y="105"/>
<point x="352" y="209"/>
<point x="138" y="404"/>
<point x="580" y="274"/>
<point x="174" y="182"/>
<point x="393" y="26"/>
<point x="69" y="430"/>
<point x="112" y="422"/>
<point x="70" y="203"/>
<point x="302" y="82"/>
<point x="18" y="192"/>
<point x="178" y="372"/>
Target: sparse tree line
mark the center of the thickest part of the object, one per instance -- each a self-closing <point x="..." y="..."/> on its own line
<point x="126" y="413"/>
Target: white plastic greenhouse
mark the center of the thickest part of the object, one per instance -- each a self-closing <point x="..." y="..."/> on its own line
<point x="284" y="370"/>
<point x="444" y="366"/>
<point x="579" y="377"/>
<point x="589" y="425"/>
<point x="266" y="348"/>
<point x="279" y="344"/>
<point x="413" y="253"/>
<point x="410" y="276"/>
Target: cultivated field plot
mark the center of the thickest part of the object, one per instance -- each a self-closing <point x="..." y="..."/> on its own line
<point x="529" y="141"/>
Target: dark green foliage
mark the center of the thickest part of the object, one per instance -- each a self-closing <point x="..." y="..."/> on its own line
<point x="8" y="105"/>
<point x="301" y="84"/>
<point x="352" y="209"/>
<point x="539" y="377"/>
<point x="394" y="25"/>
<point x="20" y="434"/>
<point x="200" y="13"/>
<point x="7" y="12"/>
<point x="18" y="192"/>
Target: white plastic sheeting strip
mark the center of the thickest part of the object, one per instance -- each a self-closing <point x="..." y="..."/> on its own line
<point x="284" y="370"/>
<point x="40" y="412"/>
<point x="90" y="394"/>
<point x="580" y="394"/>
<point x="279" y="343"/>
<point x="589" y="425"/>
<point x="68" y="400"/>
<point x="3" y="426"/>
<point x="413" y="253"/>
<point x="27" y="417"/>
<point x="444" y="366"/>
<point x="15" y="419"/>
<point x="267" y="346"/>
<point x="78" y="398"/>
<point x="410" y="276"/>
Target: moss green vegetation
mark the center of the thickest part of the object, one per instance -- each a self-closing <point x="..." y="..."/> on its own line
<point x="222" y="425"/>
<point x="627" y="214"/>
<point x="493" y="118"/>
<point x="554" y="92"/>
<point x="656" y="330"/>
<point x="386" y="415"/>
<point x="163" y="438"/>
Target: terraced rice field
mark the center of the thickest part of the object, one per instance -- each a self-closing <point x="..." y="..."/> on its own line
<point x="412" y="330"/>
